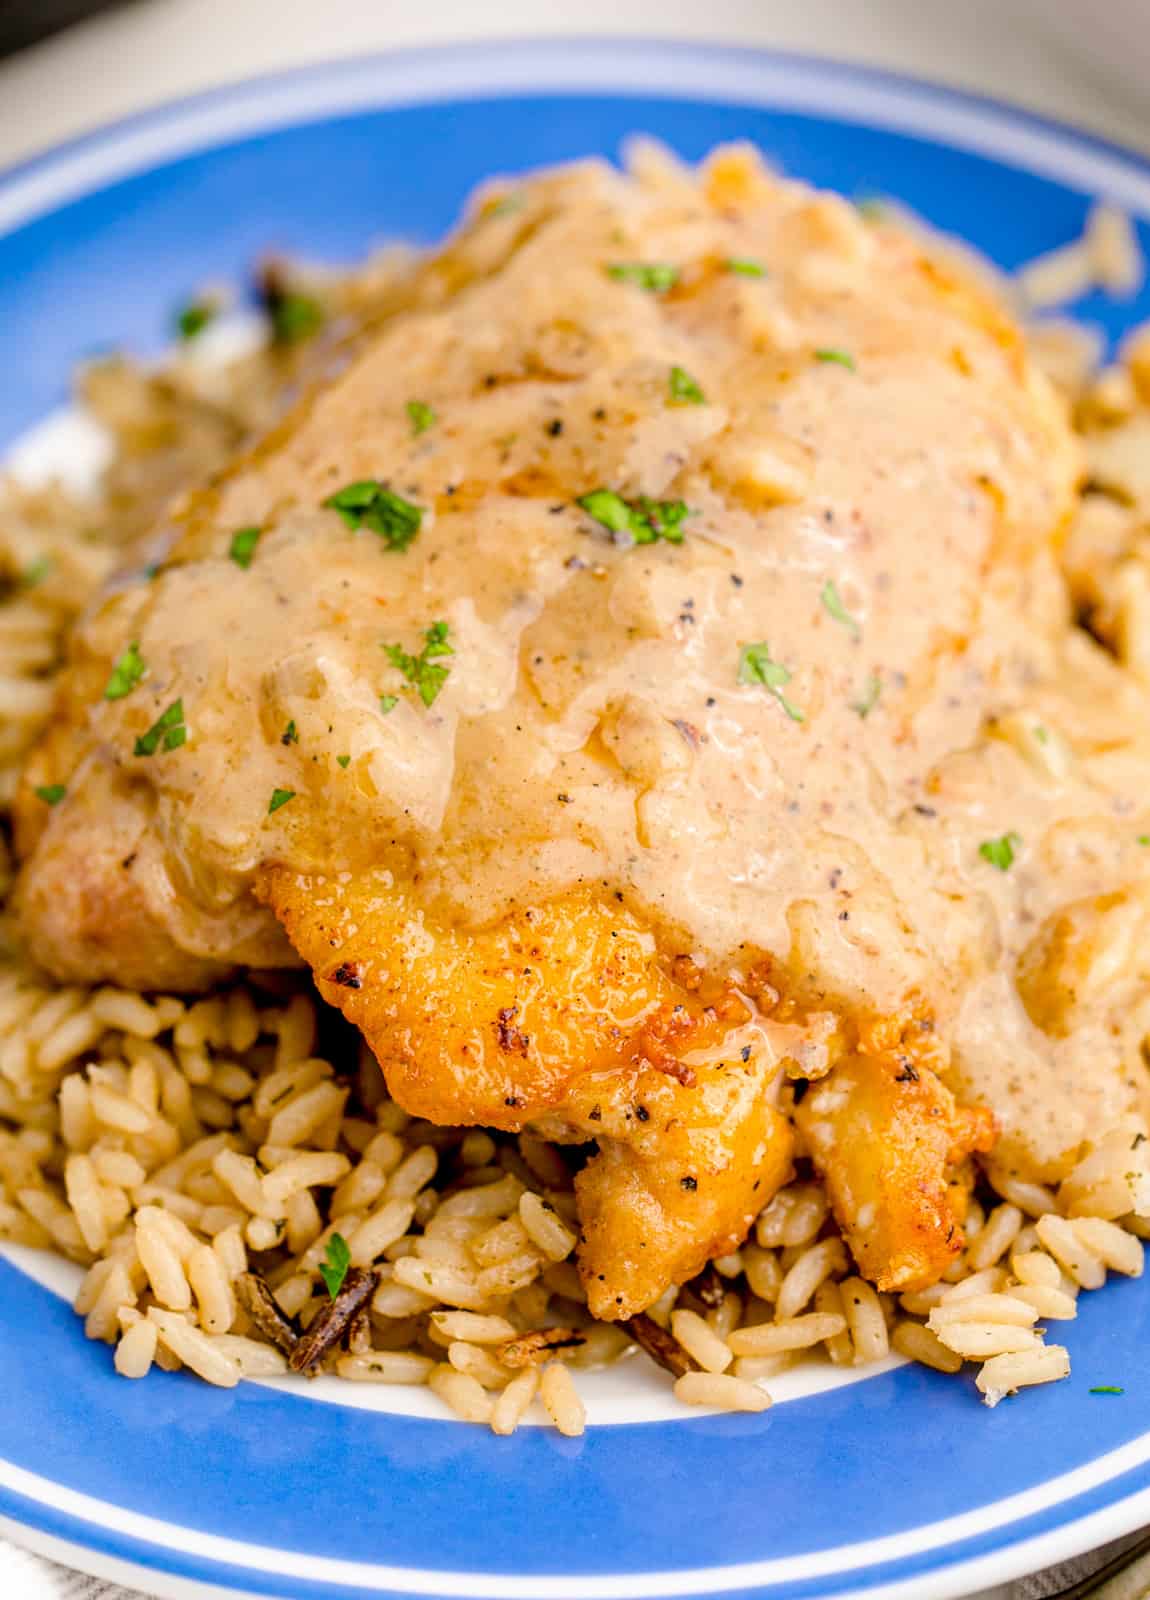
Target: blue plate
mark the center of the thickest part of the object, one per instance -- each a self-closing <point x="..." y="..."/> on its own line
<point x="896" y="1485"/>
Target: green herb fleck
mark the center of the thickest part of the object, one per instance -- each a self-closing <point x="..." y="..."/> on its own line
<point x="35" y="572"/>
<point x="833" y="603"/>
<point x="388" y="703"/>
<point x="684" y="390"/>
<point x="1041" y="734"/>
<point x="757" y="668"/>
<point x="290" y="735"/>
<point x="654" y="276"/>
<point x="243" y="546"/>
<point x="870" y="697"/>
<point x="167" y="732"/>
<point x="1000" y="852"/>
<point x="504" y="208"/>
<point x="194" y="318"/>
<point x="51" y="793"/>
<point x="280" y="797"/>
<point x="1144" y="838"/>
<point x="840" y="358"/>
<point x="423" y="671"/>
<point x="871" y="206"/>
<point x="745" y="267"/>
<point x="343" y="761"/>
<point x="333" y="1269"/>
<point x="126" y="673"/>
<point x="421" y="417"/>
<point x="367" y="504"/>
<point x="294" y="316"/>
<point x="644" y="519"/>
<point x="1107" y="1388"/>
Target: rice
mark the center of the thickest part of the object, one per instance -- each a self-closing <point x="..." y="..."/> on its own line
<point x="171" y="1148"/>
<point x="721" y="1392"/>
<point x="561" y="1399"/>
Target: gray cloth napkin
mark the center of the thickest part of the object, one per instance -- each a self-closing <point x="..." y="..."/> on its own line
<point x="27" y="1577"/>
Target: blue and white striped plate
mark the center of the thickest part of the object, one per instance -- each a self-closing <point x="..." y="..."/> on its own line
<point x="898" y="1484"/>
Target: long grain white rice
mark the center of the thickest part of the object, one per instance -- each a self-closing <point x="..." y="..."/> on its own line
<point x="561" y="1399"/>
<point x="720" y="1391"/>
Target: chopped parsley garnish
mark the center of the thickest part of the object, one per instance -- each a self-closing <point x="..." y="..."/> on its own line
<point x="388" y="702"/>
<point x="504" y="208"/>
<point x="1107" y="1388"/>
<point x="337" y="1259"/>
<point x="421" y="417"/>
<point x="343" y="761"/>
<point x="684" y="390"/>
<point x="833" y="603"/>
<point x="167" y="732"/>
<point x="757" y="668"/>
<point x="243" y="546"/>
<point x="1000" y="852"/>
<point x="423" y="671"/>
<point x="35" y="572"/>
<point x="1041" y="734"/>
<point x="280" y="797"/>
<point x="367" y="504"/>
<point x="870" y="697"/>
<point x="51" y="793"/>
<point x="654" y="276"/>
<point x="194" y="318"/>
<point x="126" y="673"/>
<point x="745" y="267"/>
<point x="1143" y="838"/>
<point x="290" y="735"/>
<point x="294" y="316"/>
<point x="839" y="358"/>
<point x="644" y="519"/>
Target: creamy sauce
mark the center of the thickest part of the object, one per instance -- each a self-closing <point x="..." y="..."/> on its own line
<point x="593" y="728"/>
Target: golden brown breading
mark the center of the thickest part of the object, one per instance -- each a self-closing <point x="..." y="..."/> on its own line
<point x="562" y="1018"/>
<point x="885" y="1133"/>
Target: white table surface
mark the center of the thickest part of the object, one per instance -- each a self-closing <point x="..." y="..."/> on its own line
<point x="151" y="50"/>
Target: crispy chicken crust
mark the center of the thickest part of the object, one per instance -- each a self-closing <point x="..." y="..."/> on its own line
<point x="562" y="1018"/>
<point x="886" y="1134"/>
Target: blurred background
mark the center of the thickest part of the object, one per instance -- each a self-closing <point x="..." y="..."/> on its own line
<point x="70" y="64"/>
